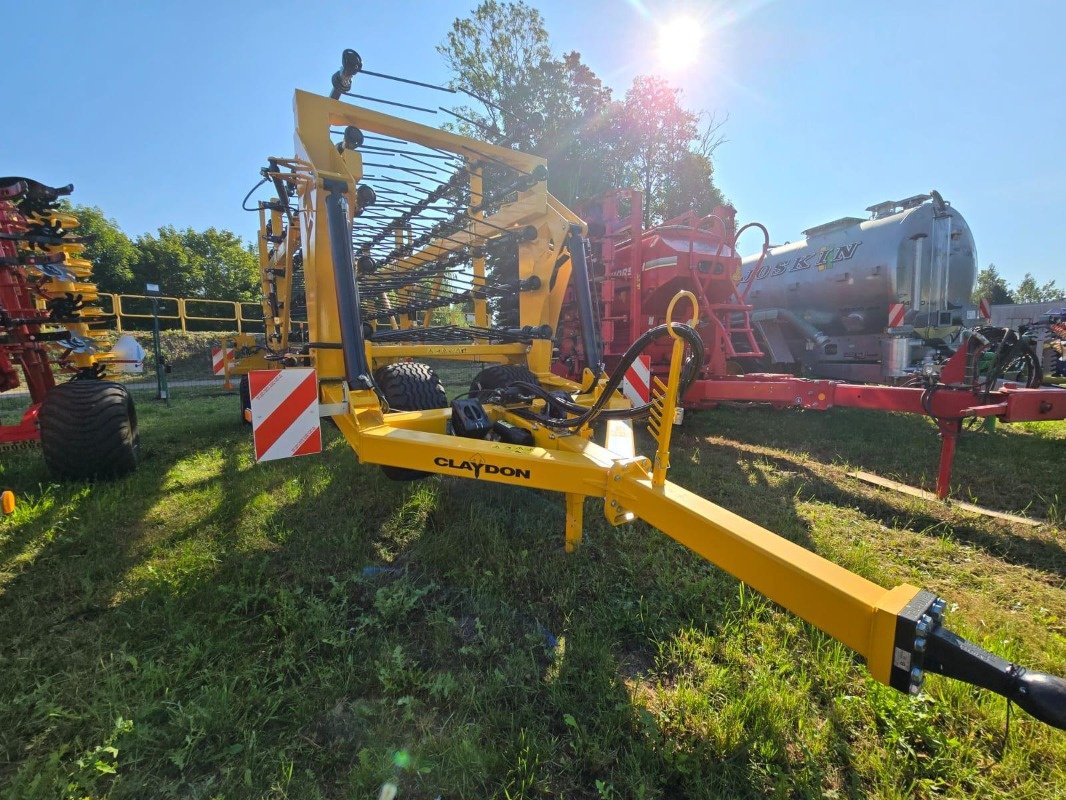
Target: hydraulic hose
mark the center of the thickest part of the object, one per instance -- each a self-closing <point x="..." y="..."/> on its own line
<point x="584" y="416"/>
<point x="1008" y="348"/>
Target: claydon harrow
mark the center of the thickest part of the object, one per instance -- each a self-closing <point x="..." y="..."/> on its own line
<point x="374" y="272"/>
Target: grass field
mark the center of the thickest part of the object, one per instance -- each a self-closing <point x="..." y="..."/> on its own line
<point x="210" y="628"/>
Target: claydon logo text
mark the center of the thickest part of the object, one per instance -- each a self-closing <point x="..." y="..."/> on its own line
<point x="479" y="467"/>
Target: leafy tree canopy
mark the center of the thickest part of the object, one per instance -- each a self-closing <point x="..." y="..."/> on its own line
<point x="525" y="96"/>
<point x="991" y="286"/>
<point x="1029" y="291"/>
<point x="994" y="287"/>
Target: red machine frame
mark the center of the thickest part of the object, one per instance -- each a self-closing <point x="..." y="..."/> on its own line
<point x="699" y="254"/>
<point x="19" y="325"/>
<point x="48" y="319"/>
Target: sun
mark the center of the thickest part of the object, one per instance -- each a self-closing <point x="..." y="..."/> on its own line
<point x="678" y="45"/>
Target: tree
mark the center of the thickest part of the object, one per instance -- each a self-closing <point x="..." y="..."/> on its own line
<point x="558" y="108"/>
<point x="1052" y="293"/>
<point x="527" y="98"/>
<point x="657" y="133"/>
<point x="110" y="250"/>
<point x="991" y="286"/>
<point x="212" y="264"/>
<point x="1029" y="291"/>
<point x="230" y="270"/>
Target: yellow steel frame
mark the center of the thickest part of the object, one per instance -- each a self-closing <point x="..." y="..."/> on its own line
<point x="534" y="207"/>
<point x="850" y="608"/>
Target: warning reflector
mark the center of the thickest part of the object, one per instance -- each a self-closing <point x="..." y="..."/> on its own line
<point x="636" y="385"/>
<point x="896" y="313"/>
<point x="285" y="419"/>
<point x="219" y="359"/>
<point x="984" y="308"/>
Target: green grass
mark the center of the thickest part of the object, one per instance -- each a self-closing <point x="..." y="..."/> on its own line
<point x="211" y="628"/>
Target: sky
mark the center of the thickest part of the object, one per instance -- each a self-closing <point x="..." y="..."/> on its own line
<point x="163" y="113"/>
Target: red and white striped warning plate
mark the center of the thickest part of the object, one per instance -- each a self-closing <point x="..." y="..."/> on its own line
<point x="285" y="419"/>
<point x="896" y="313"/>
<point x="218" y="360"/>
<point x="984" y="308"/>
<point x="636" y="384"/>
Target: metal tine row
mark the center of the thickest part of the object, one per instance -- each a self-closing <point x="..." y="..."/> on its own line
<point x="440" y="300"/>
<point x="461" y="220"/>
<point x="397" y="276"/>
<point x="353" y="65"/>
<point x="447" y="333"/>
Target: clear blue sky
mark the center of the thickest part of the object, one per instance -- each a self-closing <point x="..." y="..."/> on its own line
<point x="162" y="114"/>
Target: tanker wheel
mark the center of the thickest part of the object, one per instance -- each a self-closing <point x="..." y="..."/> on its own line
<point x="89" y="430"/>
<point x="245" y="399"/>
<point x="410" y="386"/>
<point x="499" y="376"/>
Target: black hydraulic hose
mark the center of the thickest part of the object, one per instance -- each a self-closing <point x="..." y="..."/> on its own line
<point x="356" y="369"/>
<point x="1008" y="348"/>
<point x="279" y="187"/>
<point x="596" y="411"/>
<point x="582" y="283"/>
<point x="244" y="202"/>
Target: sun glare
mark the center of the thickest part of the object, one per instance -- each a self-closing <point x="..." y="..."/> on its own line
<point x="679" y="42"/>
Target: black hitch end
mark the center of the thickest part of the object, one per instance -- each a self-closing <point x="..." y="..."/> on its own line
<point x="1041" y="695"/>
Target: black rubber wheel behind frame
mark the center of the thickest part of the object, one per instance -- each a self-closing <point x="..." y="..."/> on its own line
<point x="410" y="386"/>
<point x="89" y="430"/>
<point x="499" y="375"/>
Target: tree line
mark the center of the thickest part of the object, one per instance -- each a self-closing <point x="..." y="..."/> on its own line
<point x="214" y="263"/>
<point x="993" y="287"/>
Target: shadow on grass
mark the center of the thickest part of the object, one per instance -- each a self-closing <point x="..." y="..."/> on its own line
<point x="996" y="539"/>
<point x="1004" y="469"/>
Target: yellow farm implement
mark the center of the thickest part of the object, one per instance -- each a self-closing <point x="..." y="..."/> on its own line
<point x="379" y="253"/>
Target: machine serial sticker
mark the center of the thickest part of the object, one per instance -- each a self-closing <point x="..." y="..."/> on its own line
<point x="902" y="659"/>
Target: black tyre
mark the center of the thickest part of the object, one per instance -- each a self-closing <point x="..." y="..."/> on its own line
<point x="498" y="376"/>
<point x="246" y="400"/>
<point x="89" y="430"/>
<point x="410" y="387"/>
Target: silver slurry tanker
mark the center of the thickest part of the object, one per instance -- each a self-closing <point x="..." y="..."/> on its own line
<point x="871" y="300"/>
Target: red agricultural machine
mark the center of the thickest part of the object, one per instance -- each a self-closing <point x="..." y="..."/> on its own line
<point x="635" y="271"/>
<point x="52" y="331"/>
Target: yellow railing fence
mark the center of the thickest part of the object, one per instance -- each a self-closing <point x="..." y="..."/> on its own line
<point x="190" y="313"/>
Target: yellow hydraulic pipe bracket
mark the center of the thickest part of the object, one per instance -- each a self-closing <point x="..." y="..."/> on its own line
<point x="664" y="395"/>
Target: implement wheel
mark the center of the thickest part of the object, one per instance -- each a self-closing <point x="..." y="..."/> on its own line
<point x="498" y="376"/>
<point x="245" y="397"/>
<point x="89" y="430"/>
<point x="410" y="387"/>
